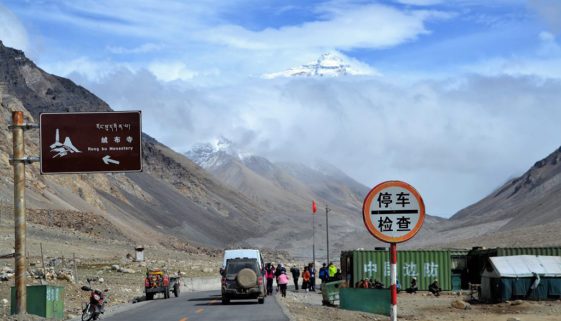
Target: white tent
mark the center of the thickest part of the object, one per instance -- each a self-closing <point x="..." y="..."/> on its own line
<point x="517" y="269"/>
<point x="525" y="266"/>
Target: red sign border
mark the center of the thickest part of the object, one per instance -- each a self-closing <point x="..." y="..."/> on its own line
<point x="139" y="112"/>
<point x="367" y="217"/>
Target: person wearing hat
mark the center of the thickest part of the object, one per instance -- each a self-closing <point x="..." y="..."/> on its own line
<point x="434" y="288"/>
<point x="413" y="288"/>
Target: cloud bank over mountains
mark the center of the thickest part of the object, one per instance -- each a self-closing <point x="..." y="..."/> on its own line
<point x="457" y="97"/>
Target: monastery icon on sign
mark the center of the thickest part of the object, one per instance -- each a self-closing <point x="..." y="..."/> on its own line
<point x="62" y="149"/>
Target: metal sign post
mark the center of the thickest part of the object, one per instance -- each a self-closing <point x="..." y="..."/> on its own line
<point x="18" y="161"/>
<point x="393" y="212"/>
<point x="393" y="281"/>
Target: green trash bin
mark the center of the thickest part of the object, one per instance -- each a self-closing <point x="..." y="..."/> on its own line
<point x="43" y="300"/>
<point x="330" y="292"/>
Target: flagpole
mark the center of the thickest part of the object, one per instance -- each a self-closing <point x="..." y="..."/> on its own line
<point x="314" y="238"/>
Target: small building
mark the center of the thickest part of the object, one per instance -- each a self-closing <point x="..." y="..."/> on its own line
<point x="139" y="251"/>
<point x="521" y="277"/>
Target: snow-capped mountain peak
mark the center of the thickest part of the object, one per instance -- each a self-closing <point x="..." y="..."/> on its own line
<point x="215" y="153"/>
<point x="327" y="65"/>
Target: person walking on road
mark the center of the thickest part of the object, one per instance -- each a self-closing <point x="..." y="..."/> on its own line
<point x="305" y="279"/>
<point x="278" y="271"/>
<point x="332" y="271"/>
<point x="312" y="270"/>
<point x="323" y="274"/>
<point x="295" y="275"/>
<point x="283" y="282"/>
<point x="269" y="275"/>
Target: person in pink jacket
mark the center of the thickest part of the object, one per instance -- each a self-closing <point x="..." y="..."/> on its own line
<point x="282" y="280"/>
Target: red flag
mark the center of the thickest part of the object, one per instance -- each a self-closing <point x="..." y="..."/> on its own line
<point x="314" y="207"/>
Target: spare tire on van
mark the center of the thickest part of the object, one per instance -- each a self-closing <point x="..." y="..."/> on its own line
<point x="246" y="278"/>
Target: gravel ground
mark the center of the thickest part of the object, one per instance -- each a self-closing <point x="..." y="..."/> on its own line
<point x="306" y="306"/>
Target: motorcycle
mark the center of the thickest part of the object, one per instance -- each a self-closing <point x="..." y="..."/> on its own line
<point x="96" y="306"/>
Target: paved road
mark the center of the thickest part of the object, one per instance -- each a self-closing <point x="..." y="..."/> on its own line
<point x="201" y="306"/>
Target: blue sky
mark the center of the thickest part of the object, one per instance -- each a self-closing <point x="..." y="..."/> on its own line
<point x="457" y="93"/>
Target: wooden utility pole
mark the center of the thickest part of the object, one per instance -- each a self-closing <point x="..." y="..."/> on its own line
<point x="18" y="161"/>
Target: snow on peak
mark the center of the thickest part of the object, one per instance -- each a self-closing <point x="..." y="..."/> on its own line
<point x="215" y="153"/>
<point x="327" y="65"/>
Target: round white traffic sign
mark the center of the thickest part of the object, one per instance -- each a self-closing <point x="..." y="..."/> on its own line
<point x="393" y="211"/>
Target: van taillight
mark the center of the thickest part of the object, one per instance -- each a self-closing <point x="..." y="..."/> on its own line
<point x="260" y="280"/>
<point x="146" y="282"/>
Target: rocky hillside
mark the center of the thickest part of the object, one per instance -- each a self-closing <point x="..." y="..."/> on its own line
<point x="525" y="211"/>
<point x="172" y="195"/>
<point x="531" y="199"/>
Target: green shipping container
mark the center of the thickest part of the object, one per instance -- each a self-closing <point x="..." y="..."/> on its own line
<point x="545" y="251"/>
<point x="425" y="265"/>
<point x="43" y="300"/>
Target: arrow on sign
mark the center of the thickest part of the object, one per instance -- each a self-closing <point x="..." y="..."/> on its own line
<point x="107" y="159"/>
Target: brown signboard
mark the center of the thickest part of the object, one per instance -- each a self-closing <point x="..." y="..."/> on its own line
<point x="91" y="142"/>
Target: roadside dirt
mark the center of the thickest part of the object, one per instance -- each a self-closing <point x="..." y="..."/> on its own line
<point x="306" y="306"/>
<point x="95" y="255"/>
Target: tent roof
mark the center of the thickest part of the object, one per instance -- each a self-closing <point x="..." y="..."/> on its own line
<point x="526" y="265"/>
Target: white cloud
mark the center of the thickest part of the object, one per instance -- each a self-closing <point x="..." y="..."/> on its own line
<point x="544" y="63"/>
<point x="168" y="71"/>
<point x="12" y="31"/>
<point x="420" y="2"/>
<point x="93" y="70"/>
<point x="550" y="11"/>
<point x="368" y="26"/>
<point x="467" y="138"/>
<point x="144" y="48"/>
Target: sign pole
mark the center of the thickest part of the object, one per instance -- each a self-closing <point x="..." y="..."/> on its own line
<point x="393" y="212"/>
<point x="19" y="209"/>
<point x="393" y="281"/>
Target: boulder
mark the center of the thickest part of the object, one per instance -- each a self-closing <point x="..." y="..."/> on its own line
<point x="517" y="302"/>
<point x="115" y="267"/>
<point x="462" y="305"/>
<point x="7" y="269"/>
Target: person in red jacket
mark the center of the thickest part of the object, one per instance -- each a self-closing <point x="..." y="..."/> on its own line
<point x="305" y="279"/>
<point x="270" y="276"/>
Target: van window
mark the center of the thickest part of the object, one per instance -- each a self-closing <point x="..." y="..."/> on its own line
<point x="233" y="267"/>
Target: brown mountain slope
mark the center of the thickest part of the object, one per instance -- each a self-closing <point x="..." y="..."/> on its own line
<point x="172" y="195"/>
<point x="531" y="199"/>
<point x="526" y="211"/>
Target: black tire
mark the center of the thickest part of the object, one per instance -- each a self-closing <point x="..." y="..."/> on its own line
<point x="176" y="290"/>
<point x="149" y="296"/>
<point x="87" y="315"/>
<point x="261" y="300"/>
<point x="225" y="300"/>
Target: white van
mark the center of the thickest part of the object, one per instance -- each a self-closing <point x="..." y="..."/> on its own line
<point x="244" y="253"/>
